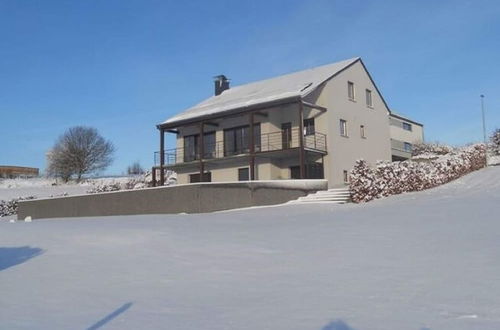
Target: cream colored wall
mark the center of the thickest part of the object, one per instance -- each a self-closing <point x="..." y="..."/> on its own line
<point x="344" y="151"/>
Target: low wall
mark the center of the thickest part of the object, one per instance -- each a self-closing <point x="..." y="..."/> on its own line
<point x="188" y="198"/>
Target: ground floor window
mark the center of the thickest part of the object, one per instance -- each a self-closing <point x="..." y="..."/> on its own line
<point x="313" y="171"/>
<point x="346" y="176"/>
<point x="207" y="177"/>
<point x="243" y="174"/>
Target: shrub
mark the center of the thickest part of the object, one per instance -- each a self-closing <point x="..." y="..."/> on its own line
<point x="398" y="177"/>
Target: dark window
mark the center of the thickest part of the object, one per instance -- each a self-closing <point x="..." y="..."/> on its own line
<point x="346" y="176"/>
<point x="236" y="140"/>
<point x="207" y="177"/>
<point x="295" y="172"/>
<point x="286" y="135"/>
<point x="406" y="126"/>
<point x="192" y="145"/>
<point x="309" y="126"/>
<point x="243" y="174"/>
<point x="209" y="150"/>
<point x="313" y="171"/>
<point x="408" y="147"/>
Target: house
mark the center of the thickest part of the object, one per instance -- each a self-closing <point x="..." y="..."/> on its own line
<point x="404" y="134"/>
<point x="311" y="124"/>
<point x="11" y="172"/>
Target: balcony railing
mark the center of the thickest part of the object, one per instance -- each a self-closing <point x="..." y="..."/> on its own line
<point x="266" y="142"/>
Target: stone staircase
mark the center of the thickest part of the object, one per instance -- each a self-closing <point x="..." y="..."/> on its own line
<point x="333" y="196"/>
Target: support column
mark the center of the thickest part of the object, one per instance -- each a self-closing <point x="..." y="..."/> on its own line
<point x="301" y="142"/>
<point x="201" y="149"/>
<point x="162" y="156"/>
<point x="153" y="176"/>
<point x="252" y="146"/>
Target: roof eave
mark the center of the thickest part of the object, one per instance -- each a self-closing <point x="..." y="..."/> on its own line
<point x="230" y="112"/>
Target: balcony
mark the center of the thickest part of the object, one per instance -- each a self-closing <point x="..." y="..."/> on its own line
<point x="272" y="143"/>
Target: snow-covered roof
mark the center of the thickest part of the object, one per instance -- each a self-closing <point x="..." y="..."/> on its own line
<point x="293" y="85"/>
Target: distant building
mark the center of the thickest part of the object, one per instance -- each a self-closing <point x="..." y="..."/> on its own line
<point x="404" y="134"/>
<point x="10" y="172"/>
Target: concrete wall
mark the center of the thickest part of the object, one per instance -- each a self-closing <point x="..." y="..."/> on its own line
<point x="191" y="198"/>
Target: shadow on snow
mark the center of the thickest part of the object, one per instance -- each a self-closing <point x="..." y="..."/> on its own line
<point x="110" y="317"/>
<point x="12" y="256"/>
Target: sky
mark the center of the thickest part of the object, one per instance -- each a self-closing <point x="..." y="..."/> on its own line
<point x="125" y="66"/>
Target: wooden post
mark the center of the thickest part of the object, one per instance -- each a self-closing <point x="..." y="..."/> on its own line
<point x="153" y="174"/>
<point x="162" y="156"/>
<point x="301" y="141"/>
<point x="252" y="147"/>
<point x="201" y="149"/>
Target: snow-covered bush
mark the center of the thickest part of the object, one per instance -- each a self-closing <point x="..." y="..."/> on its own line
<point x="10" y="207"/>
<point x="430" y="148"/>
<point x="495" y="143"/>
<point x="399" y="177"/>
<point x="128" y="183"/>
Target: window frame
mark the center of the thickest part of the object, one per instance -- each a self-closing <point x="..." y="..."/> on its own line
<point x="407" y="126"/>
<point x="351" y="87"/>
<point x="362" y="131"/>
<point x="407" y="146"/>
<point x="369" y="96"/>
<point x="343" y="128"/>
<point x="308" y="128"/>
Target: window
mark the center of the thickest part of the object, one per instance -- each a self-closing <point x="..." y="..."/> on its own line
<point x="408" y="147"/>
<point x="350" y="91"/>
<point x="191" y="147"/>
<point x="369" y="101"/>
<point x="407" y="127"/>
<point x="346" y="176"/>
<point x="309" y="126"/>
<point x="207" y="177"/>
<point x="243" y="174"/>
<point x="343" y="127"/>
<point x="192" y="144"/>
<point x="362" y="131"/>
<point x="236" y="140"/>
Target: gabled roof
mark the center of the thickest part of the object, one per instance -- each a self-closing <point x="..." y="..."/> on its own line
<point x="287" y="87"/>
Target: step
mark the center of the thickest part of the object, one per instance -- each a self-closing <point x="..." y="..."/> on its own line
<point x="323" y="198"/>
<point x="317" y="201"/>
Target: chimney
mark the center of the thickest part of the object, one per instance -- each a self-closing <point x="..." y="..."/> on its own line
<point x="221" y="84"/>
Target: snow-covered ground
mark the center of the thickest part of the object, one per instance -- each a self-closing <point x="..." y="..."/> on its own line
<point x="426" y="260"/>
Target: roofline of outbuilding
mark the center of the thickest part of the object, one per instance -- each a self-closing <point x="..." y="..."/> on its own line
<point x="392" y="114"/>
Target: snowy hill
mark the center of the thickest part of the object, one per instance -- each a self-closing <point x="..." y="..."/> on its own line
<point x="426" y="260"/>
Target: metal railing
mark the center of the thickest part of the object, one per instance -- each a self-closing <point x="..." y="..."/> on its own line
<point x="265" y="142"/>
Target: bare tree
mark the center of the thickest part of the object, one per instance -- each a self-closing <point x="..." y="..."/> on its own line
<point x="135" y="168"/>
<point x="80" y="150"/>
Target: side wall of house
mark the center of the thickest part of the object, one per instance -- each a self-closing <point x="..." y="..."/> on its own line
<point x="343" y="151"/>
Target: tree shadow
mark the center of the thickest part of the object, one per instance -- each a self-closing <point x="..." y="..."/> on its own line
<point x="110" y="317"/>
<point x="12" y="256"/>
<point x="337" y="325"/>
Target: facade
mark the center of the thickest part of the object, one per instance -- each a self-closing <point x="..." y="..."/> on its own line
<point x="404" y="134"/>
<point x="310" y="124"/>
<point x="10" y="172"/>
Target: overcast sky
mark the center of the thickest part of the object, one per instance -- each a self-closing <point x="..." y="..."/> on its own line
<point x="124" y="66"/>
